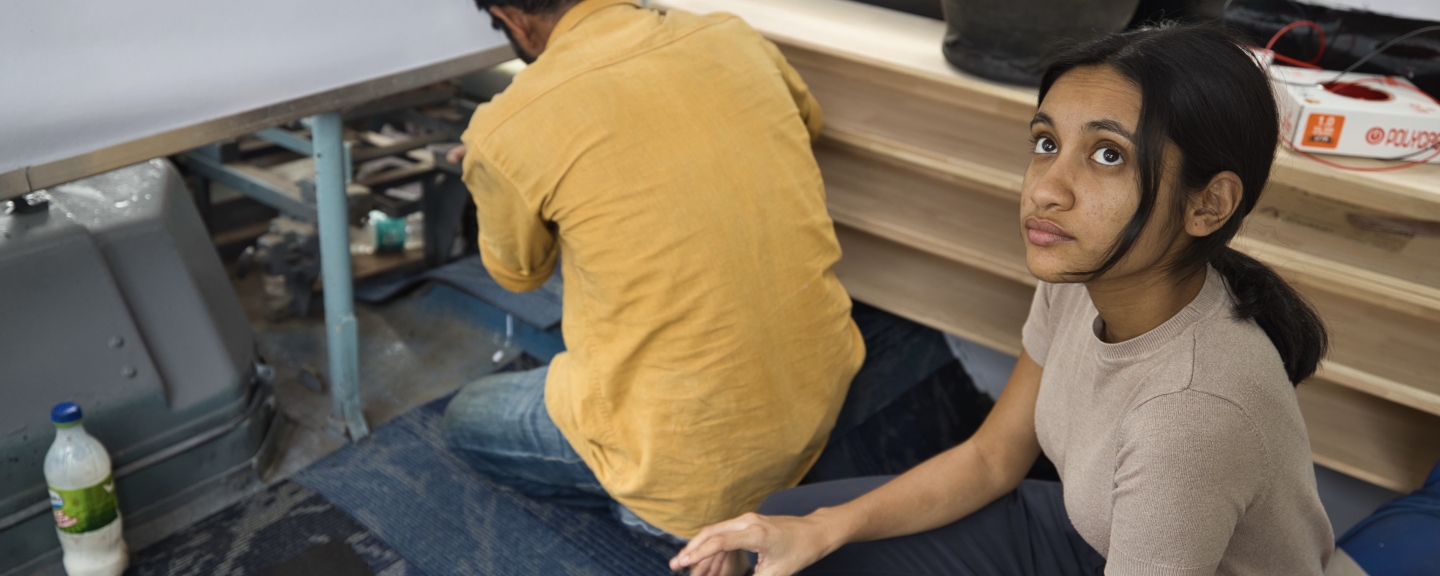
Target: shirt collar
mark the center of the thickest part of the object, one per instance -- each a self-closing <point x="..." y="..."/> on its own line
<point x="581" y="11"/>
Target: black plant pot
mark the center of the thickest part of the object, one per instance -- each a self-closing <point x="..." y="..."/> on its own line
<point x="1009" y="41"/>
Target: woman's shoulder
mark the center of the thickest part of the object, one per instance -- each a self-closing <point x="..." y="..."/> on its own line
<point x="1235" y="384"/>
<point x="1234" y="359"/>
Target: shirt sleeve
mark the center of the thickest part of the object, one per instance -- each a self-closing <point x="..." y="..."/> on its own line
<point x="1188" y="467"/>
<point x="804" y="101"/>
<point x="517" y="246"/>
<point x="1039" y="326"/>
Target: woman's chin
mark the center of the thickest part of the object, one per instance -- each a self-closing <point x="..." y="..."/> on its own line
<point x="1049" y="268"/>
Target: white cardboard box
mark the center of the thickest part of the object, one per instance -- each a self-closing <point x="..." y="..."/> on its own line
<point x="1391" y="119"/>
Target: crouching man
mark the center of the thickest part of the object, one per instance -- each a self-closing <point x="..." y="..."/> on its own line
<point x="663" y="162"/>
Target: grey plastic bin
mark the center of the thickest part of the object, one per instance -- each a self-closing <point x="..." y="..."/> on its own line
<point x="114" y="297"/>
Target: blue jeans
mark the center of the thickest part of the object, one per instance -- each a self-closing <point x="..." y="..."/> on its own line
<point x="500" y="427"/>
<point x="1024" y="533"/>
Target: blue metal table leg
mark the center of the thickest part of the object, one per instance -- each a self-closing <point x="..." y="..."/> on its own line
<point x="334" y="230"/>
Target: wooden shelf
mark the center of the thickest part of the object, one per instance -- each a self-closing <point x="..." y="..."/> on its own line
<point x="1294" y="230"/>
<point x="1377" y="350"/>
<point x="884" y="88"/>
<point x="925" y="211"/>
<point x="1367" y="437"/>
<point x="933" y="291"/>
<point x="1308" y="253"/>
<point x="1351" y="431"/>
<point x="924" y="165"/>
<point x="899" y="55"/>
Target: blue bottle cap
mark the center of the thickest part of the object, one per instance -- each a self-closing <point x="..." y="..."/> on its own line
<point x="65" y="414"/>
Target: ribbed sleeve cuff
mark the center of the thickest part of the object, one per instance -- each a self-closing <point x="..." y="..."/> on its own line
<point x="1119" y="564"/>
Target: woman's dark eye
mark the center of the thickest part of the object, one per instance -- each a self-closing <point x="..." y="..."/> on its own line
<point x="1108" y="156"/>
<point x="1045" y="145"/>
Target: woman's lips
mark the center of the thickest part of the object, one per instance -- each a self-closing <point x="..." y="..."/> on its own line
<point x="1045" y="233"/>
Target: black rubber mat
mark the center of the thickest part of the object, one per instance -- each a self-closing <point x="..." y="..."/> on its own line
<point x="333" y="558"/>
<point x="266" y="531"/>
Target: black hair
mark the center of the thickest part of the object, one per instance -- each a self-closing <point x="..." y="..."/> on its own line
<point x="530" y="6"/>
<point x="1206" y="94"/>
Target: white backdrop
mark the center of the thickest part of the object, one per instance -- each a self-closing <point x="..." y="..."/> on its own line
<point x="1418" y="9"/>
<point x="81" y="75"/>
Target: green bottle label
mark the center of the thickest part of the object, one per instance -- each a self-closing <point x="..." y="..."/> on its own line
<point x="86" y="509"/>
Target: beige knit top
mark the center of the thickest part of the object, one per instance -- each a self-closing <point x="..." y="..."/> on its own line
<point x="1181" y="451"/>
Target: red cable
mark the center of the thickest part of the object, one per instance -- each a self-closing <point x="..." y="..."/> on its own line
<point x="1386" y="80"/>
<point x="1360" y="168"/>
<point x="1320" y="33"/>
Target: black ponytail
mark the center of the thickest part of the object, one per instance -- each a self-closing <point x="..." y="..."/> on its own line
<point x="1204" y="93"/>
<point x="1292" y="325"/>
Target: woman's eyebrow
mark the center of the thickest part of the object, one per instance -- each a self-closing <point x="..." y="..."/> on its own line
<point x="1042" y="118"/>
<point x="1110" y="126"/>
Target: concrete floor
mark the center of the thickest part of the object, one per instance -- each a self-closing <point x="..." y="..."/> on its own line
<point x="412" y="350"/>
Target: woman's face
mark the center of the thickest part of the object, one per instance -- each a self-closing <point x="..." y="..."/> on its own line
<point x="1082" y="188"/>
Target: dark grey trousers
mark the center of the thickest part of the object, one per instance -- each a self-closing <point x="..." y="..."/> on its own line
<point x="1025" y="532"/>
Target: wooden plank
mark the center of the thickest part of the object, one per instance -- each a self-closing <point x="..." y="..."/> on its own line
<point x="922" y="120"/>
<point x="1367" y="437"/>
<point x="1414" y="191"/>
<point x="1291" y="217"/>
<point x="364" y="266"/>
<point x="1379" y="351"/>
<point x="367" y="265"/>
<point x="1304" y="268"/>
<point x="933" y="291"/>
<point x="924" y="211"/>
<point x="880" y="38"/>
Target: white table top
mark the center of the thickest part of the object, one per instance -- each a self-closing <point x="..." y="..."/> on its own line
<point x="90" y="85"/>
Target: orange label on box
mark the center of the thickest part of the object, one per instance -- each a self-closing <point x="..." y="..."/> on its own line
<point x="1323" y="131"/>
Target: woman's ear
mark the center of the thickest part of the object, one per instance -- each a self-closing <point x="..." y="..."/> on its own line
<point x="1212" y="206"/>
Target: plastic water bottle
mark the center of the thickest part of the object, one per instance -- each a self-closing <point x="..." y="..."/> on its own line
<point x="82" y="496"/>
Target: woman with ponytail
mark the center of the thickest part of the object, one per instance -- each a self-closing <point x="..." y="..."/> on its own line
<point x="1158" y="369"/>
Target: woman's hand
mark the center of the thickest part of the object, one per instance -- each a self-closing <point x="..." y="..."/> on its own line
<point x="785" y="544"/>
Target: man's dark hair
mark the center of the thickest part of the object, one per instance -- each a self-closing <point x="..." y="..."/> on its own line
<point x="530" y="6"/>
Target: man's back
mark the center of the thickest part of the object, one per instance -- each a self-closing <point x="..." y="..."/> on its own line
<point x="667" y="157"/>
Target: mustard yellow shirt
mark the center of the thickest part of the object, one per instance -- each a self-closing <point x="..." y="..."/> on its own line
<point x="664" y="159"/>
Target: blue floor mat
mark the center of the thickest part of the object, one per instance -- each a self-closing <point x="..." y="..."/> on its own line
<point x="407" y="489"/>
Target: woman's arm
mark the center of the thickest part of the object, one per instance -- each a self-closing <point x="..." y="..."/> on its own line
<point x="939" y="491"/>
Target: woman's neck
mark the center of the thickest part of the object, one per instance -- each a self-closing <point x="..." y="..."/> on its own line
<point x="1134" y="304"/>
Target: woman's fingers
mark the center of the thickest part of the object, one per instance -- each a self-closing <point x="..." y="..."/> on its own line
<point x="711" y="547"/>
<point x="704" y="544"/>
<point x="707" y="567"/>
<point x="740" y="533"/>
